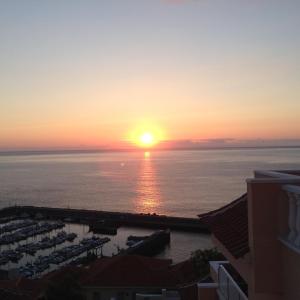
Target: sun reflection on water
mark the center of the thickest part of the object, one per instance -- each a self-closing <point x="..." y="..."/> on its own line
<point x="148" y="195"/>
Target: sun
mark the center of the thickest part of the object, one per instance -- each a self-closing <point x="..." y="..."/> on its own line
<point x="146" y="135"/>
<point x="147" y="139"/>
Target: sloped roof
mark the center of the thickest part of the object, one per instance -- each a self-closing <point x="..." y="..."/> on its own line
<point x="20" y="288"/>
<point x="189" y="292"/>
<point x="185" y="272"/>
<point x="12" y="295"/>
<point x="60" y="274"/>
<point x="129" y="270"/>
<point x="229" y="224"/>
<point x="117" y="271"/>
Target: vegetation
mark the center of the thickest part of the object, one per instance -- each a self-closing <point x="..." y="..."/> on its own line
<point x="201" y="258"/>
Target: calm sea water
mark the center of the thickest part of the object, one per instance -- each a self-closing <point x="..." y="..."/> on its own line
<point x="181" y="183"/>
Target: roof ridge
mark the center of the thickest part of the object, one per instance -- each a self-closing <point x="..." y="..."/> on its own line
<point x="243" y="197"/>
<point x="229" y="224"/>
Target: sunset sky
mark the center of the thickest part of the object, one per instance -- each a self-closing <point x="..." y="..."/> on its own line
<point x="94" y="73"/>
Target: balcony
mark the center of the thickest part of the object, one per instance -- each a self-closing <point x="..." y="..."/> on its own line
<point x="230" y="288"/>
<point x="292" y="239"/>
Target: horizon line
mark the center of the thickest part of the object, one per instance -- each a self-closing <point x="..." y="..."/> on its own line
<point x="99" y="150"/>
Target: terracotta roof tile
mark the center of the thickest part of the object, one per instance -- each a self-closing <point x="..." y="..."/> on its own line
<point x="117" y="271"/>
<point x="189" y="292"/>
<point x="12" y="295"/>
<point x="58" y="275"/>
<point x="20" y="288"/>
<point x="229" y="224"/>
<point x="130" y="270"/>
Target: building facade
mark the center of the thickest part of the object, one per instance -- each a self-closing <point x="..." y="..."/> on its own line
<point x="259" y="234"/>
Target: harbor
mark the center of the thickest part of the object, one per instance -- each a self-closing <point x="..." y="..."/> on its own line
<point x="32" y="248"/>
<point x="90" y="217"/>
<point x="64" y="255"/>
<point x="33" y="243"/>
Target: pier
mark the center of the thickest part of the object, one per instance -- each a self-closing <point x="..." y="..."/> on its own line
<point x="149" y="246"/>
<point x="89" y="217"/>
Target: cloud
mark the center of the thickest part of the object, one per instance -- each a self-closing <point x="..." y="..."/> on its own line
<point x="228" y="143"/>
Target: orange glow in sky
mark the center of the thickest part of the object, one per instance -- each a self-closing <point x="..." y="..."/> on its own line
<point x="135" y="83"/>
<point x="146" y="135"/>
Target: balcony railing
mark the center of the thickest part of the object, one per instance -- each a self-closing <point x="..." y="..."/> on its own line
<point x="228" y="289"/>
<point x="293" y="193"/>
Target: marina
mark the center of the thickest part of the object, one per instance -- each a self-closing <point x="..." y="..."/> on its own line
<point x="17" y="225"/>
<point x="63" y="255"/>
<point x="33" y="244"/>
<point x="29" y="248"/>
<point x="46" y="242"/>
<point x="30" y="231"/>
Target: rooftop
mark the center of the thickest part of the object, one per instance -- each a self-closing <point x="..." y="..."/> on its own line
<point x="20" y="288"/>
<point x="130" y="271"/>
<point x="117" y="271"/>
<point x="229" y="224"/>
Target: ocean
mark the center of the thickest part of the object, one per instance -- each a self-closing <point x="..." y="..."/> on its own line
<point x="178" y="183"/>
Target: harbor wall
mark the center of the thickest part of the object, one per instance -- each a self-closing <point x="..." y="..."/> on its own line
<point x="119" y="218"/>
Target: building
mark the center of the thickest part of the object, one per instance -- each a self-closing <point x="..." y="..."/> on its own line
<point x="20" y="289"/>
<point x="128" y="277"/>
<point x="124" y="277"/>
<point x="259" y="234"/>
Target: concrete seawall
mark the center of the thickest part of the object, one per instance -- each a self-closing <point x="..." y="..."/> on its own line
<point x="119" y="218"/>
<point x="150" y="246"/>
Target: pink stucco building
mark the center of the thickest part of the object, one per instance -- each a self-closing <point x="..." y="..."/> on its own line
<point x="259" y="234"/>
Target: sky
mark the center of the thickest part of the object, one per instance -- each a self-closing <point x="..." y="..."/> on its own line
<point x="91" y="73"/>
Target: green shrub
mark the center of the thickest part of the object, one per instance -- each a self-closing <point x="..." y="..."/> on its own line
<point x="201" y="258"/>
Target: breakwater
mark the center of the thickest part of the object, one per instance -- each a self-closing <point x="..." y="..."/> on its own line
<point x="151" y="245"/>
<point x="118" y="218"/>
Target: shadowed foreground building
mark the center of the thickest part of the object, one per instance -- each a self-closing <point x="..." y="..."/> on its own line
<point x="259" y="234"/>
<point x="133" y="277"/>
<point x="124" y="277"/>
